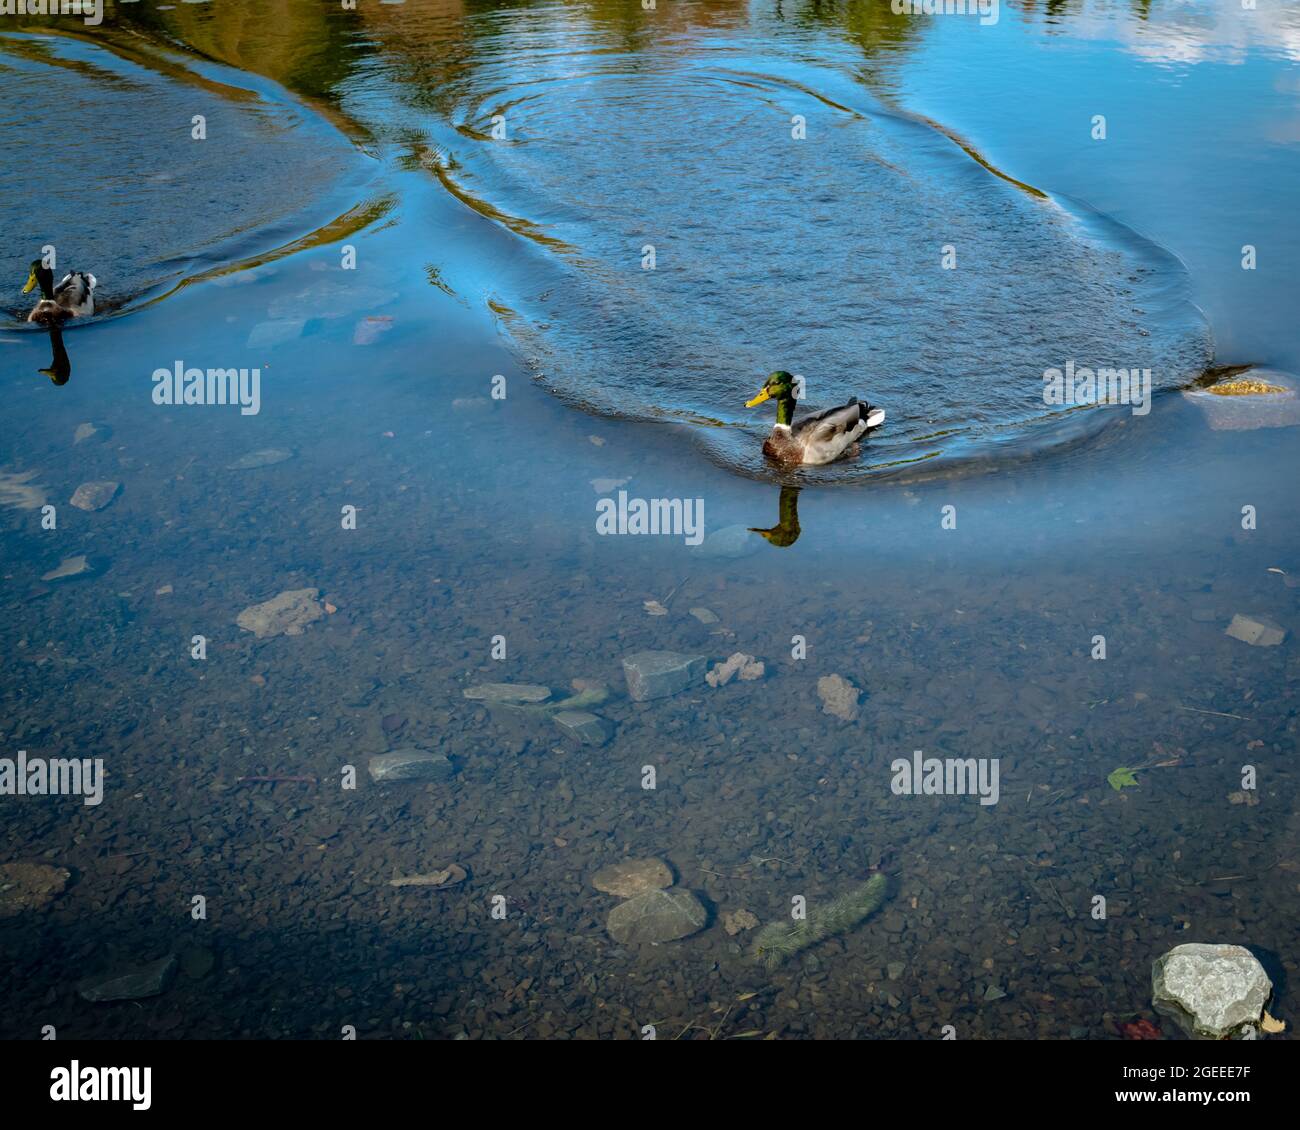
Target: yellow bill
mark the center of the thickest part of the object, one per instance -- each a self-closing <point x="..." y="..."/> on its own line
<point x="762" y="396"/>
<point x="31" y="281"/>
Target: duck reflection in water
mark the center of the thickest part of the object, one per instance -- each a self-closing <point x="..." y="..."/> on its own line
<point x="60" y="367"/>
<point x="786" y="531"/>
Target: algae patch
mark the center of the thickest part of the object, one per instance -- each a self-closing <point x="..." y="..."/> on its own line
<point x="1245" y="387"/>
<point x="780" y="940"/>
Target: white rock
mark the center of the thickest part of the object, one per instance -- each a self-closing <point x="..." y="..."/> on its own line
<point x="1210" y="991"/>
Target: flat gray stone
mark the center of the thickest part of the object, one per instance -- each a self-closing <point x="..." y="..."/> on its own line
<point x="267" y="335"/>
<point x="90" y="432"/>
<point x="94" y="495"/>
<point x="1259" y="631"/>
<point x="70" y="568"/>
<point x="633" y="877"/>
<point x="507" y="692"/>
<point x="1210" y="991"/>
<point x="410" y="764"/>
<point x="589" y="729"/>
<point x="658" y="674"/>
<point x="266" y="457"/>
<point x="656" y="916"/>
<point x="131" y="983"/>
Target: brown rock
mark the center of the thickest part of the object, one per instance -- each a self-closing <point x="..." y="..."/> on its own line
<point x="633" y="877"/>
<point x="839" y="697"/>
<point x="26" y="887"/>
<point x="287" y="614"/>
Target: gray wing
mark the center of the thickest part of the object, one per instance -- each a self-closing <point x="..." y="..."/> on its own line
<point x="822" y="427"/>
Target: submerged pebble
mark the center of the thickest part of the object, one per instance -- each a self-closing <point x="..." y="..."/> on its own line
<point x="70" y="568"/>
<point x="656" y="916"/>
<point x="410" y="764"/>
<point x="267" y="457"/>
<point x="507" y="692"/>
<point x="633" y="877"/>
<point x="29" y="886"/>
<point x="1256" y="630"/>
<point x="658" y="674"/>
<point x="94" y="495"/>
<point x="589" y="729"/>
<point x="839" y="697"/>
<point x="131" y="983"/>
<point x="287" y="614"/>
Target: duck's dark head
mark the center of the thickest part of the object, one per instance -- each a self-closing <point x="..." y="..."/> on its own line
<point x="42" y="275"/>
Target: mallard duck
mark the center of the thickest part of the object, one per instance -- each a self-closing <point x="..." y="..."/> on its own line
<point x="820" y="438"/>
<point x="74" y="297"/>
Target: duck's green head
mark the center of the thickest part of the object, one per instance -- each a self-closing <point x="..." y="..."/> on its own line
<point x="779" y="386"/>
<point x="41" y="274"/>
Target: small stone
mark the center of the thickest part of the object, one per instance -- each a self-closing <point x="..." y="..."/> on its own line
<point x="1210" y="991"/>
<point x="94" y="495"/>
<point x="89" y="432"/>
<point x="470" y="404"/>
<point x="29" y="886"/>
<point x="266" y="335"/>
<point x="993" y="993"/>
<point x="704" y="616"/>
<point x="589" y="729"/>
<point x="410" y="764"/>
<point x="266" y="457"/>
<point x="1258" y="631"/>
<point x="895" y="970"/>
<point x="507" y="692"/>
<point x="658" y="674"/>
<point x="633" y="877"/>
<point x="730" y="542"/>
<point x="737" y="921"/>
<point x="1247" y="797"/>
<point x="746" y="666"/>
<point x="164" y="590"/>
<point x="654" y="608"/>
<point x="70" y="568"/>
<point x="130" y="984"/>
<point x="391" y="723"/>
<point x="655" y="917"/>
<point x="604" y="486"/>
<point x="839" y="697"/>
<point x="287" y="614"/>
<point x="450" y="876"/>
<point x="581" y="683"/>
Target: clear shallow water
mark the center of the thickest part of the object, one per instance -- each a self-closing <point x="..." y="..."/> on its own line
<point x="477" y="519"/>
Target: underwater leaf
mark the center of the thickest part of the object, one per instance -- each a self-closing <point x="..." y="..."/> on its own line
<point x="1121" y="778"/>
<point x="1271" y="1024"/>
